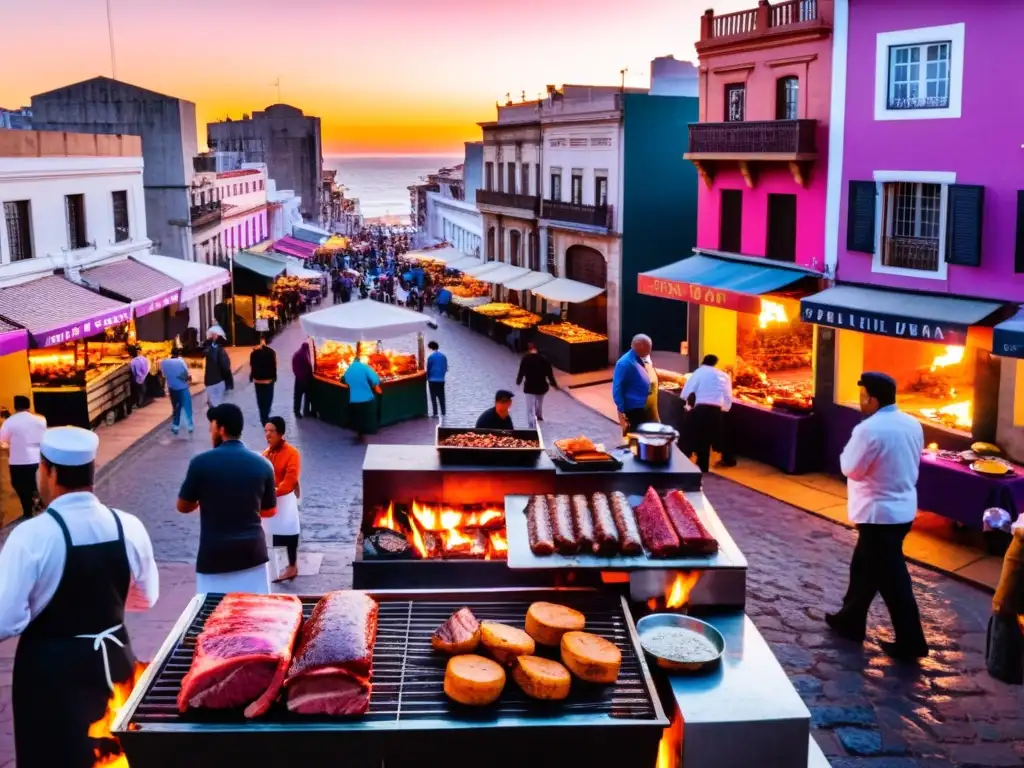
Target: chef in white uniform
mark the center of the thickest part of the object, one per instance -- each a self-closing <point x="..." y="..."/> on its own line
<point x="66" y="578"/>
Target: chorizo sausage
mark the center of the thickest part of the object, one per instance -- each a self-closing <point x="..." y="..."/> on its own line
<point x="625" y="523"/>
<point x="606" y="535"/>
<point x="582" y="523"/>
<point x="538" y="526"/>
<point x="560" y="510"/>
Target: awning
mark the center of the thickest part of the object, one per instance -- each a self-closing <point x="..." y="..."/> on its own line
<point x="294" y="268"/>
<point x="736" y="284"/>
<point x="503" y="273"/>
<point x="261" y="265"/>
<point x="1008" y="338"/>
<point x="484" y="268"/>
<point x="310" y="234"/>
<point x="195" y="277"/>
<point x="465" y="263"/>
<point x="289" y="246"/>
<point x="54" y="310"/>
<point x="529" y="281"/>
<point x="446" y="255"/>
<point x="146" y="288"/>
<point x="569" y="291"/>
<point x="336" y="242"/>
<point x="12" y="339"/>
<point x="364" y="320"/>
<point x="903" y="314"/>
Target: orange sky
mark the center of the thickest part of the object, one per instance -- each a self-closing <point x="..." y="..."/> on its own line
<point x="385" y="76"/>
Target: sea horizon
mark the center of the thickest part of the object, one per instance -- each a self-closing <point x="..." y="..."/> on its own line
<point x="381" y="181"/>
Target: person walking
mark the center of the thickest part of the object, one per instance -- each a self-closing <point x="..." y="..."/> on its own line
<point x="67" y="577"/>
<point x="263" y="375"/>
<point x="233" y="488"/>
<point x="139" y="369"/>
<point x="536" y="376"/>
<point x="363" y="386"/>
<point x="217" y="377"/>
<point x="881" y="463"/>
<point x="635" y="385"/>
<point x="302" y="367"/>
<point x="708" y="391"/>
<point x="22" y="433"/>
<point x="283" y="527"/>
<point x="178" y="378"/>
<point x="437" y="369"/>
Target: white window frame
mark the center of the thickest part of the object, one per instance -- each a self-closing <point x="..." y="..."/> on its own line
<point x="954" y="33"/>
<point x="881" y="178"/>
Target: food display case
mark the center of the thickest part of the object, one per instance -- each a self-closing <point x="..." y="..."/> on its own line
<point x="79" y="384"/>
<point x="572" y="348"/>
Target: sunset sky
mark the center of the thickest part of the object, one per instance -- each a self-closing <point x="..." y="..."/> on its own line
<point x="386" y="76"/>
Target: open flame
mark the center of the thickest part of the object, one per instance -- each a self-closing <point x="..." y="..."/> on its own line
<point x="110" y="756"/>
<point x="678" y="595"/>
<point x="670" y="748"/>
<point x="952" y="356"/>
<point x="441" y="531"/>
<point x="771" y="312"/>
<point x="386" y="519"/>
<point x="957" y="414"/>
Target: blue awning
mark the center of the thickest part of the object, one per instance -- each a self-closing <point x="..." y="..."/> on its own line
<point x="1008" y="338"/>
<point x="261" y="265"/>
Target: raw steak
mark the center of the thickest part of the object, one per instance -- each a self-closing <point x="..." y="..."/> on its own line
<point x="655" y="528"/>
<point x="330" y="674"/>
<point x="693" y="536"/>
<point x="243" y="653"/>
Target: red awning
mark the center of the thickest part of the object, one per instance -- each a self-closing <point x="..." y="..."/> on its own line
<point x="147" y="289"/>
<point x="291" y="246"/>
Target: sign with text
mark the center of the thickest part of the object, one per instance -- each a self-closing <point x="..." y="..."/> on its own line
<point x="882" y="324"/>
<point x="83" y="329"/>
<point x="1008" y="342"/>
<point x="157" y="303"/>
<point x="698" y="294"/>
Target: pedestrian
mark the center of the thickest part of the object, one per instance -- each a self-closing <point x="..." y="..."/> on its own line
<point x="139" y="369"/>
<point x="708" y="392"/>
<point x="881" y="463"/>
<point x="263" y="375"/>
<point x="217" y="377"/>
<point x="497" y="417"/>
<point x="21" y="434"/>
<point x="437" y="369"/>
<point x="178" y="378"/>
<point x="302" y="367"/>
<point x="336" y="287"/>
<point x="283" y="527"/>
<point x="363" y="384"/>
<point x="67" y="578"/>
<point x="635" y="385"/>
<point x="536" y="376"/>
<point x="233" y="489"/>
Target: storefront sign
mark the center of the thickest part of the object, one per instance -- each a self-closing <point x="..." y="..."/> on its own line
<point x="698" y="294"/>
<point x="83" y="329"/>
<point x="13" y="341"/>
<point x="157" y="303"/>
<point x="881" y="324"/>
<point x="1008" y="343"/>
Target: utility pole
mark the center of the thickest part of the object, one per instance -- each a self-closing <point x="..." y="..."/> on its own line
<point x="623" y="72"/>
<point x="110" y="38"/>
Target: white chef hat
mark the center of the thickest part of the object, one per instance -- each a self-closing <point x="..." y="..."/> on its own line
<point x="69" y="446"/>
<point x="215" y="330"/>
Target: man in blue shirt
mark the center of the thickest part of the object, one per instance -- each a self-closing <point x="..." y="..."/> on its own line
<point x="362" y="382"/>
<point x="175" y="372"/>
<point x="437" y="368"/>
<point x="635" y="385"/>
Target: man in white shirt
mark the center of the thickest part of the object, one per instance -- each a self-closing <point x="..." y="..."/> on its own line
<point x="709" y="392"/>
<point x="21" y="434"/>
<point x="881" y="463"/>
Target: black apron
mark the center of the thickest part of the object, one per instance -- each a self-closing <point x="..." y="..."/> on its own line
<point x="60" y="679"/>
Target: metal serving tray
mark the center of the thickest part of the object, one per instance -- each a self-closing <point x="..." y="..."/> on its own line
<point x="490" y="456"/>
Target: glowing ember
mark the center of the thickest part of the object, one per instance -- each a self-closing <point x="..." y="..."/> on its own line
<point x="386" y="519"/>
<point x="952" y="356"/>
<point x="456" y="541"/>
<point x="110" y="755"/>
<point x="958" y="414"/>
<point x="670" y="748"/>
<point x="771" y="312"/>
<point x="678" y="594"/>
<point x="499" y="542"/>
<point x="437" y="530"/>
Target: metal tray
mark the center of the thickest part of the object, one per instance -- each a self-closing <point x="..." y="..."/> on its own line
<point x="490" y="456"/>
<point x="521" y="557"/>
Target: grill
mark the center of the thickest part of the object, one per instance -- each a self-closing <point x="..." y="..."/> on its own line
<point x="411" y="722"/>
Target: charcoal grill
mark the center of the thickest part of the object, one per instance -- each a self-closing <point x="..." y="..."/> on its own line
<point x="410" y="721"/>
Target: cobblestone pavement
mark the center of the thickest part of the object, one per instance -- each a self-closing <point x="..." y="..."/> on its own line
<point x="868" y="713"/>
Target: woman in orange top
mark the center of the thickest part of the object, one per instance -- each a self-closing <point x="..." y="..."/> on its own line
<point x="283" y="527"/>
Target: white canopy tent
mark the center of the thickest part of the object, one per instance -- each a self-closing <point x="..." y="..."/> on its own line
<point x="503" y="273"/>
<point x="364" y="320"/>
<point x="569" y="291"/>
<point x="294" y="268"/>
<point x="444" y="255"/>
<point x="483" y="268"/>
<point x="528" y="282"/>
<point x="195" y="277"/>
<point x="467" y="263"/>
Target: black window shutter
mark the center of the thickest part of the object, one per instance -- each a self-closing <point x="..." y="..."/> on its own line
<point x="1018" y="262"/>
<point x="860" y="217"/>
<point x="963" y="224"/>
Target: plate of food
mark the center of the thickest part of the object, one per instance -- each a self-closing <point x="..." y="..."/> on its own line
<point x="679" y="643"/>
<point x="986" y="449"/>
<point x="993" y="467"/>
<point x="581" y="453"/>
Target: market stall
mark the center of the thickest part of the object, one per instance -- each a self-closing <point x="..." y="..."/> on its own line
<point x="341" y="332"/>
<point x="579" y="344"/>
<point x="524" y="285"/>
<point x="200" y="291"/>
<point x="256" y="310"/>
<point x="154" y="297"/>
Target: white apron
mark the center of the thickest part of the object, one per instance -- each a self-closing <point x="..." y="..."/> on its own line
<point x="285" y="521"/>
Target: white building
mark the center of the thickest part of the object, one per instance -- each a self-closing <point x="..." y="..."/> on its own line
<point x="285" y="210"/>
<point x="449" y="217"/>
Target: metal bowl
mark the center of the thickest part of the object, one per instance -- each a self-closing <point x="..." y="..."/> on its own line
<point x="658" y="620"/>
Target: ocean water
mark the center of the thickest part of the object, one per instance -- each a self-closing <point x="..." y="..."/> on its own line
<point x="381" y="183"/>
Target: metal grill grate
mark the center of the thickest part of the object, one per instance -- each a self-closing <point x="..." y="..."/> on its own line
<point x="408" y="674"/>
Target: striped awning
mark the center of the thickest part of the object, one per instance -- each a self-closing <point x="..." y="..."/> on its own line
<point x="54" y="310"/>
<point x="147" y="289"/>
<point x="290" y="246"/>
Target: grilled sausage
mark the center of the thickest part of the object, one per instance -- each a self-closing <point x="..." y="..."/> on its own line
<point x="560" y="509"/>
<point x="606" y="535"/>
<point x="693" y="536"/>
<point x="538" y="525"/>
<point x="582" y="522"/>
<point x="656" y="529"/>
<point x="625" y="523"/>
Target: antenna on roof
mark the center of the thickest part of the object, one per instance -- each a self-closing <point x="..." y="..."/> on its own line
<point x="623" y="72"/>
<point x="110" y="39"/>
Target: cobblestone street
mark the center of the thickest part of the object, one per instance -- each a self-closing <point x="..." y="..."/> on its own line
<point x="868" y="712"/>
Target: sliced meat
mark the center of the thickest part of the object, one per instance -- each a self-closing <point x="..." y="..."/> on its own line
<point x="560" y="510"/>
<point x="243" y="653"/>
<point x="329" y="691"/>
<point x="459" y="634"/>
<point x="606" y="535"/>
<point x="583" y="523"/>
<point x="538" y="526"/>
<point x="656" y="530"/>
<point x="625" y="524"/>
<point x="693" y="536"/>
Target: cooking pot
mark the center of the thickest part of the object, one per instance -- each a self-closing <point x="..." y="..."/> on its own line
<point x="652" y="443"/>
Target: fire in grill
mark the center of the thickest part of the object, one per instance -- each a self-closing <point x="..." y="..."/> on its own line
<point x="410" y="720"/>
<point x="438" y="531"/>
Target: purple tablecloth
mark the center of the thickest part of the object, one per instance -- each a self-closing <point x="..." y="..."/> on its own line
<point x="956" y="492"/>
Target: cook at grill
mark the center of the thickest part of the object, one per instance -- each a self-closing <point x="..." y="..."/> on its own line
<point x="65" y="579"/>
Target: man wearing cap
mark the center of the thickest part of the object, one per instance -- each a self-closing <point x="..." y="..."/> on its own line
<point x="498" y="416"/>
<point x="66" y="578"/>
<point x="218" y="377"/>
<point x="881" y="463"/>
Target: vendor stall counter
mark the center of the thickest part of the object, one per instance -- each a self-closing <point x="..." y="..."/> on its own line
<point x="571" y="348"/>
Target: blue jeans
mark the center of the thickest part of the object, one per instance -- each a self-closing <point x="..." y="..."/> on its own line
<point x="181" y="401"/>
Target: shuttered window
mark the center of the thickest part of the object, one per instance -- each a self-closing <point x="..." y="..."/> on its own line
<point x="963" y="224"/>
<point x="860" y="217"/>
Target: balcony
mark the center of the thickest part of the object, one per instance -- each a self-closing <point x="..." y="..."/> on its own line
<point x="495" y="199"/>
<point x="751" y="142"/>
<point x="778" y="23"/>
<point x="204" y="215"/>
<point x="577" y="213"/>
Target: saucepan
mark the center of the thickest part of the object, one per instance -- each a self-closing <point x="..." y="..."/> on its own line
<point x="652" y="443"/>
<point x="679" y="643"/>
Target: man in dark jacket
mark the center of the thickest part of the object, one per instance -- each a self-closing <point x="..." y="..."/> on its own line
<point x="535" y="375"/>
<point x="218" y="378"/>
<point x="302" y="367"/>
<point x="263" y="375"/>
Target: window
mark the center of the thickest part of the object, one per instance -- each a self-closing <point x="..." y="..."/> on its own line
<point x="781" y="244"/>
<point x="552" y="259"/>
<point x="17" y="214"/>
<point x="735" y="102"/>
<point x="74" y="209"/>
<point x="730" y="223"/>
<point x="556" y="185"/>
<point x="919" y="73"/>
<point x="555" y="143"/>
<point x="490" y="244"/>
<point x="787" y="98"/>
<point x="578" y="142"/>
<point x="524" y="179"/>
<point x="910" y="230"/>
<point x="531" y="247"/>
<point x="601" y="188"/>
<point x="501" y="177"/>
<point x="538" y="189"/>
<point x="919" y="76"/>
<point x="515" y="246"/>
<point x="120" y="200"/>
<point x="488" y="176"/>
<point x="601" y="142"/>
<point x="577" y="186"/>
<point x="512" y="178"/>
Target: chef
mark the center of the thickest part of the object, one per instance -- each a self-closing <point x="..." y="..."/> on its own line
<point x="635" y="385"/>
<point x="66" y="578"/>
<point x="710" y="391"/>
